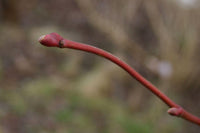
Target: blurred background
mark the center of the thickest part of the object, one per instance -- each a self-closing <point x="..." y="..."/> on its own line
<point x="50" y="90"/>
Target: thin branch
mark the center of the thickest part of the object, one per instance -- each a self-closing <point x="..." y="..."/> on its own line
<point x="55" y="40"/>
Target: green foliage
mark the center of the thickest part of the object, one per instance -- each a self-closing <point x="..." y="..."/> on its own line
<point x="69" y="110"/>
<point x="132" y="126"/>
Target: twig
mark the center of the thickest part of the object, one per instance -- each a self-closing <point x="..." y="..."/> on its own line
<point x="55" y="40"/>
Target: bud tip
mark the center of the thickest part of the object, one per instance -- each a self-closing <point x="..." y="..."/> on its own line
<point x="41" y="38"/>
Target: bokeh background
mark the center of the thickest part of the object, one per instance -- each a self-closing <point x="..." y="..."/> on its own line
<point x="50" y="90"/>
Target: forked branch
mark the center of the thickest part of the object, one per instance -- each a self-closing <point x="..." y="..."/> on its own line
<point x="55" y="40"/>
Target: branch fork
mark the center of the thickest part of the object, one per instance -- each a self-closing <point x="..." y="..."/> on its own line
<point x="55" y="40"/>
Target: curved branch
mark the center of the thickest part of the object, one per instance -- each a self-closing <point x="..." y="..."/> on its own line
<point x="55" y="40"/>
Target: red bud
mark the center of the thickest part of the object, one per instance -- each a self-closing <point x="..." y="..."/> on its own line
<point x="175" y="111"/>
<point x="50" y="40"/>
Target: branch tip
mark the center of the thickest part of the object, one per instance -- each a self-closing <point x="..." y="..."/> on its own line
<point x="50" y="40"/>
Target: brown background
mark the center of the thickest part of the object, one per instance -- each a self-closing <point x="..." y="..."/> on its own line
<point x="48" y="90"/>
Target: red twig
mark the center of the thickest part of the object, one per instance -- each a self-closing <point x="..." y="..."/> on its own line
<point x="55" y="40"/>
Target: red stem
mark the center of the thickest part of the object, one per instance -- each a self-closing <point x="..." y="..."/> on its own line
<point x="55" y="40"/>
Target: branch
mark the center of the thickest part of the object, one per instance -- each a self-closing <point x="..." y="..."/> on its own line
<point x="55" y="40"/>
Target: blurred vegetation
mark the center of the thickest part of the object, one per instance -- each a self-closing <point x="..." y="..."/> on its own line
<point x="48" y="90"/>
